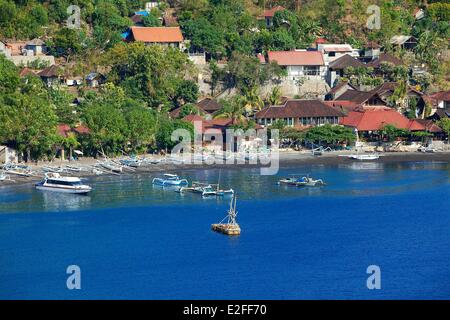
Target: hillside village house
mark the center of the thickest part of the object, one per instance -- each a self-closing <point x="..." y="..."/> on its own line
<point x="379" y="96"/>
<point x="404" y="42"/>
<point x="269" y="14"/>
<point x="336" y="68"/>
<point x="207" y="107"/>
<point x="51" y="76"/>
<point x="165" y="36"/>
<point x="440" y="105"/>
<point x="440" y="100"/>
<point x="332" y="52"/>
<point x="36" y="46"/>
<point x="25" y="52"/>
<point x="300" y="63"/>
<point x="94" y="79"/>
<point x="371" y="51"/>
<point x="300" y="114"/>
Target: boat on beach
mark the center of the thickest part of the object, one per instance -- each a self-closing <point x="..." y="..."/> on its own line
<point x="5" y="177"/>
<point x="230" y="227"/>
<point x="169" y="179"/>
<point x="131" y="162"/>
<point x="55" y="182"/>
<point x="17" y="169"/>
<point x="111" y="166"/>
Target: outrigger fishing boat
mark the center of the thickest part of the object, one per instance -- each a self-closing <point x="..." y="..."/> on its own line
<point x="170" y="180"/>
<point x="54" y="182"/>
<point x="131" y="162"/>
<point x="5" y="177"/>
<point x="111" y="166"/>
<point x="206" y="189"/>
<point x="230" y="227"/>
<point x="310" y="182"/>
<point x="16" y="169"/>
<point x="368" y="156"/>
<point x="373" y="156"/>
<point x="214" y="190"/>
<point x="305" y="181"/>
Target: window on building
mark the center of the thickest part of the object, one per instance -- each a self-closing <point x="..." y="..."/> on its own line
<point x="312" y="70"/>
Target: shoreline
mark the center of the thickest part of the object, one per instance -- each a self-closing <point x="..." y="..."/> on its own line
<point x="286" y="160"/>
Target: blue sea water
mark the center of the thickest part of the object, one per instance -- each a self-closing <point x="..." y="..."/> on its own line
<point x="135" y="241"/>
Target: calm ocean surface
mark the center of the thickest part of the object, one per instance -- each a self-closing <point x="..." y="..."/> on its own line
<point x="135" y="241"/>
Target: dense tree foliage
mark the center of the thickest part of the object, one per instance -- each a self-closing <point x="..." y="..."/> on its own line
<point x="144" y="82"/>
<point x="153" y="74"/>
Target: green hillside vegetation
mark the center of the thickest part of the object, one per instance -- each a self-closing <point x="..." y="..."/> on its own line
<point x="131" y="111"/>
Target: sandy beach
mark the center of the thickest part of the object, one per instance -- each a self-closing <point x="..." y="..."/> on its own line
<point x="286" y="159"/>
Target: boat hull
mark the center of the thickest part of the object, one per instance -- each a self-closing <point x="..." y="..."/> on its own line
<point x="64" y="190"/>
<point x="162" y="182"/>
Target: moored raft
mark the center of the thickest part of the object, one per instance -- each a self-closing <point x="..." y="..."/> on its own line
<point x="231" y="230"/>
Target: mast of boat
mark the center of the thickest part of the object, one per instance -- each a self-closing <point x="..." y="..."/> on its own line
<point x="218" y="181"/>
<point x="232" y="212"/>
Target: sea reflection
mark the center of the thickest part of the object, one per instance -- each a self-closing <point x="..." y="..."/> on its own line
<point x="54" y="201"/>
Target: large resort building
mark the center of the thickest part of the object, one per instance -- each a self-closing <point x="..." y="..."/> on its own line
<point x="300" y="114"/>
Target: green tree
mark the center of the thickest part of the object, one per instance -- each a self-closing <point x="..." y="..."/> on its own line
<point x="444" y="124"/>
<point x="233" y="109"/>
<point x="66" y="42"/>
<point x="9" y="76"/>
<point x="330" y="134"/>
<point x="274" y="97"/>
<point x="391" y="132"/>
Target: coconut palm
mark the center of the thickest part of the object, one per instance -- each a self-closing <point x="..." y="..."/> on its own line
<point x="252" y="101"/>
<point x="274" y="97"/>
<point x="233" y="109"/>
<point x="399" y="98"/>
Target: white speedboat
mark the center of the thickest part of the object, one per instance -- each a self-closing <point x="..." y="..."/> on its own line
<point x="169" y="180"/>
<point x="54" y="182"/>
<point x="371" y="156"/>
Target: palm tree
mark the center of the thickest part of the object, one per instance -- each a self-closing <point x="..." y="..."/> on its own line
<point x="252" y="101"/>
<point x="399" y="98"/>
<point x="233" y="109"/>
<point x="274" y="98"/>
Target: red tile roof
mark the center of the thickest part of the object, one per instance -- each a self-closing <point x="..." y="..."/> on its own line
<point x="344" y="105"/>
<point x="330" y="48"/>
<point x="81" y="129"/>
<point x="320" y="40"/>
<point x="414" y="125"/>
<point x="63" y="129"/>
<point x="299" y="109"/>
<point x="26" y="71"/>
<point x="296" y="58"/>
<point x="441" y="96"/>
<point x="261" y="58"/>
<point x="269" y="13"/>
<point x="376" y="118"/>
<point x="212" y="126"/>
<point x="429" y="125"/>
<point x="157" y="34"/>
